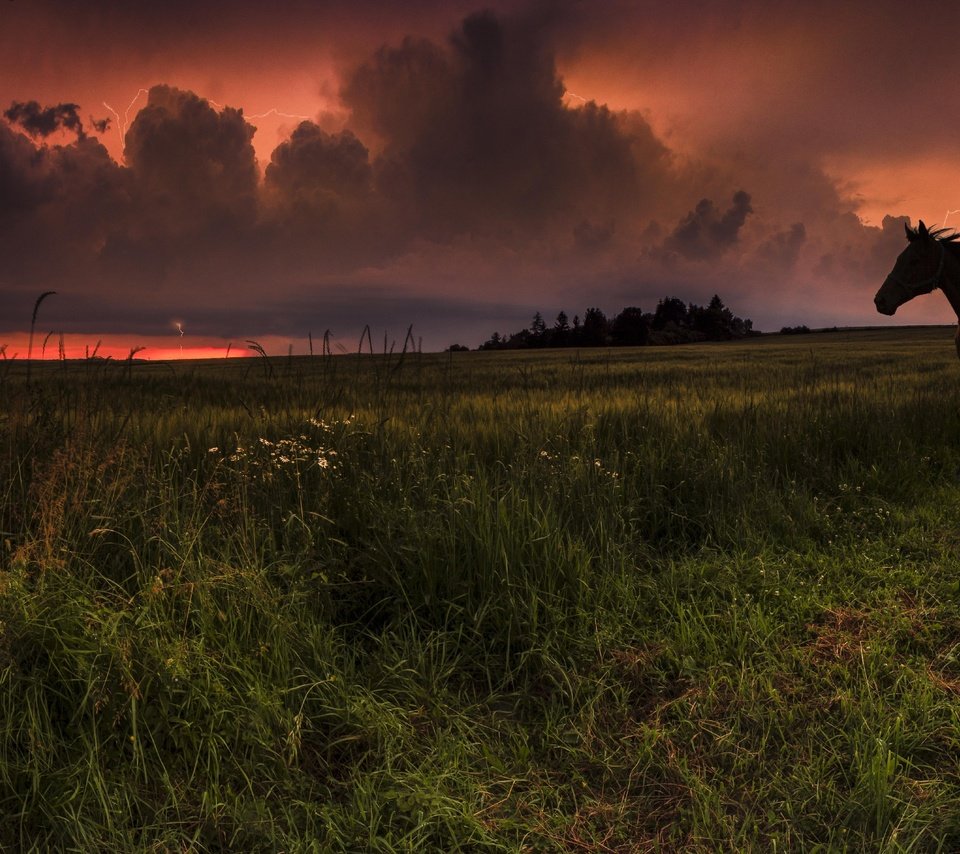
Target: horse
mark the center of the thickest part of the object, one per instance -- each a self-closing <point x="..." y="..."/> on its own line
<point x="931" y="260"/>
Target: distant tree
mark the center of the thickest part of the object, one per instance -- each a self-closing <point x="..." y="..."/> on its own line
<point x="629" y="328"/>
<point x="494" y="342"/>
<point x="559" y="335"/>
<point x="716" y="321"/>
<point x="538" y="331"/>
<point x="673" y="322"/>
<point x="670" y="310"/>
<point x="595" y="328"/>
<point x="575" y="338"/>
<point x="457" y="348"/>
<point x="518" y="340"/>
<point x="728" y="326"/>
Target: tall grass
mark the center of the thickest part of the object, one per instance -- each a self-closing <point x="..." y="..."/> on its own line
<point x="691" y="599"/>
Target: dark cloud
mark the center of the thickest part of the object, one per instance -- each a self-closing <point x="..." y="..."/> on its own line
<point x="705" y="232"/>
<point x="783" y="248"/>
<point x="193" y="167"/>
<point x="399" y="91"/>
<point x="58" y="206"/>
<point x="475" y="136"/>
<point x="40" y="122"/>
<point x="322" y="205"/>
<point x="314" y="163"/>
<point x="24" y="174"/>
<point x="100" y="125"/>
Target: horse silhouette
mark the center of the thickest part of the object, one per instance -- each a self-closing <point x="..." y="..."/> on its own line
<point x="930" y="261"/>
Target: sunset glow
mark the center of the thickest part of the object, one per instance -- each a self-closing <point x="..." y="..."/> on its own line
<point x="117" y="347"/>
<point x="274" y="174"/>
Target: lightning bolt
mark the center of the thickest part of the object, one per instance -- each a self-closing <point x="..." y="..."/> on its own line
<point x="575" y="95"/>
<point x="122" y="122"/>
<point x="948" y="214"/>
<point x="273" y="111"/>
<point x="179" y="326"/>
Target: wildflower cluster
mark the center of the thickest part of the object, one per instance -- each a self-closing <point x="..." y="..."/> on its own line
<point x="853" y="511"/>
<point x="555" y="461"/>
<point x="293" y="456"/>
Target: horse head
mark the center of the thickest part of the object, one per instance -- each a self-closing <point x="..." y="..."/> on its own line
<point x="918" y="270"/>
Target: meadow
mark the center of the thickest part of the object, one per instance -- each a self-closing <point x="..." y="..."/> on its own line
<point x="696" y="598"/>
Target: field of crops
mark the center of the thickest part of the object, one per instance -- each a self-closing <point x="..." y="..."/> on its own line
<point x="696" y="598"/>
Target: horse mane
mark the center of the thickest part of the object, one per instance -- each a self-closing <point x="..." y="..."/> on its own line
<point x="944" y="234"/>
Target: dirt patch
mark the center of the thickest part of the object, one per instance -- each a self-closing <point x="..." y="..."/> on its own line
<point x="841" y="634"/>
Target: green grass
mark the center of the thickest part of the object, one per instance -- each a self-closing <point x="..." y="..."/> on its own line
<point x="700" y="598"/>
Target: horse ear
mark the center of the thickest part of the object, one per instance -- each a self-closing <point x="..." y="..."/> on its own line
<point x="911" y="234"/>
<point x="922" y="230"/>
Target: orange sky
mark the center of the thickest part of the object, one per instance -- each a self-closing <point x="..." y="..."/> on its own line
<point x="475" y="185"/>
<point x="119" y="347"/>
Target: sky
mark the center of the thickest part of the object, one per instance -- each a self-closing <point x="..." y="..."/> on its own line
<point x="193" y="176"/>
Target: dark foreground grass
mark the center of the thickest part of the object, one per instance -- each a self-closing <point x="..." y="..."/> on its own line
<point x="695" y="599"/>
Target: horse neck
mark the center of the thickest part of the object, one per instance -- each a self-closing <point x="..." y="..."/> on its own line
<point x="950" y="281"/>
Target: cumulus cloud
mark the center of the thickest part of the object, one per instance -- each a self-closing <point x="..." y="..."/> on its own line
<point x="313" y="163"/>
<point x="41" y="122"/>
<point x="475" y="138"/>
<point x="705" y="232"/>
<point x="322" y="206"/>
<point x="193" y="167"/>
<point x="57" y="206"/>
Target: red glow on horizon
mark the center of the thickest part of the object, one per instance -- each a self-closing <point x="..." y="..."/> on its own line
<point x="175" y="353"/>
<point x="118" y="348"/>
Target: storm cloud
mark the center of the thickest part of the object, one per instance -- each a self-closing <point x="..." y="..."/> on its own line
<point x="41" y="122"/>
<point x="475" y="137"/>
<point x="453" y="164"/>
<point x="705" y="232"/>
<point x="193" y="167"/>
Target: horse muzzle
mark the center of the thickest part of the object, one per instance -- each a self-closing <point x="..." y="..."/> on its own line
<point x="890" y="297"/>
<point x="883" y="305"/>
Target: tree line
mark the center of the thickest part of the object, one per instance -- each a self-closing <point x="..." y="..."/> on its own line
<point x="673" y="322"/>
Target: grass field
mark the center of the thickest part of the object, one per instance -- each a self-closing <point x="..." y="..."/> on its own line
<point x="697" y="598"/>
